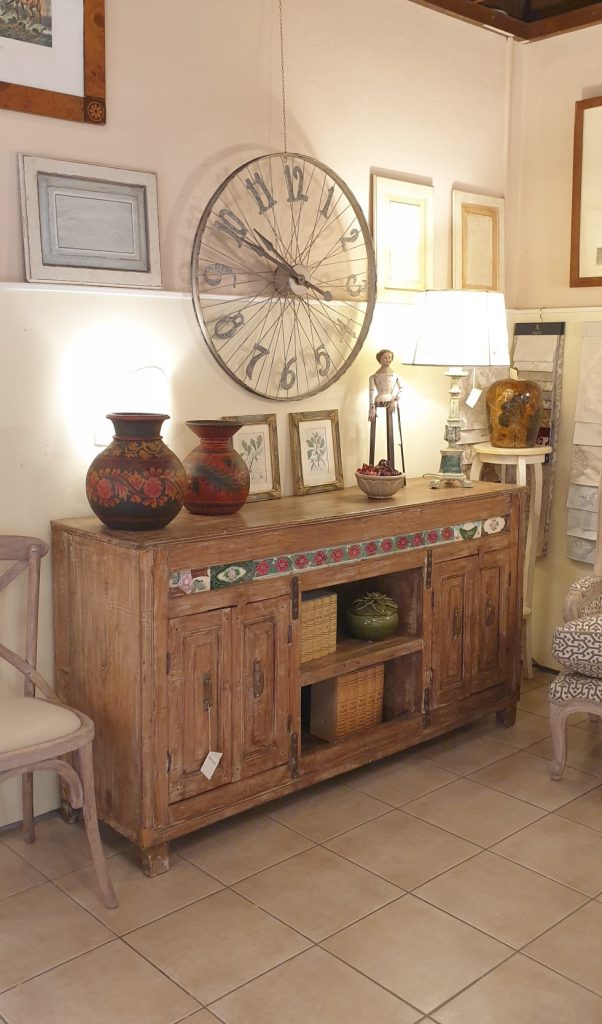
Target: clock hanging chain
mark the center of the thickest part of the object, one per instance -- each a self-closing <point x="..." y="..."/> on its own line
<point x="282" y="74"/>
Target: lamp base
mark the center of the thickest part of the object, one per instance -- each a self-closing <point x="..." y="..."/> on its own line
<point x="450" y="469"/>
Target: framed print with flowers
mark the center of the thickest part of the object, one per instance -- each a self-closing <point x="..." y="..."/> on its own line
<point x="52" y="58"/>
<point x="257" y="443"/>
<point x="316" y="451"/>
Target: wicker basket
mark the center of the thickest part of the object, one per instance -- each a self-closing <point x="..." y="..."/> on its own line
<point x="318" y="624"/>
<point x="347" y="704"/>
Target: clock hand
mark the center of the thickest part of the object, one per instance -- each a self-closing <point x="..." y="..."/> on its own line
<point x="299" y="277"/>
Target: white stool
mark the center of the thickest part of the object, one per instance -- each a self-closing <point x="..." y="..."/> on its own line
<point x="521" y="458"/>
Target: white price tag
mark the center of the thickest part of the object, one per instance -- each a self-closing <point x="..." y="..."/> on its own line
<point x="473" y="397"/>
<point x="210" y="763"/>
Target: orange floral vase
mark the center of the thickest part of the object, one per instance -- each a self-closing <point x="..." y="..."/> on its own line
<point x="136" y="483"/>
<point x="514" y="413"/>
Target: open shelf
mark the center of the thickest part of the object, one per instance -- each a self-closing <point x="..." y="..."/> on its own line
<point x="354" y="654"/>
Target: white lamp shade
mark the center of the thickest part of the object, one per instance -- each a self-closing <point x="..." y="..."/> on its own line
<point x="461" y="328"/>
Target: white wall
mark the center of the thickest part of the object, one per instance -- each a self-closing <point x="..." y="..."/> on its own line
<point x="193" y="90"/>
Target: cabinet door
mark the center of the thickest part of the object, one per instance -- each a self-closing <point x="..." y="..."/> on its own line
<point x="261" y="637"/>
<point x="200" y="718"/>
<point x="490" y="619"/>
<point x="451" y="633"/>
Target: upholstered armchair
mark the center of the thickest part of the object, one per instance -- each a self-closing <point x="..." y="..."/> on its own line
<point x="577" y="645"/>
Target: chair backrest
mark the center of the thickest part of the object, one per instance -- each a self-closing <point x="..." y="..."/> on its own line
<point x="25" y="553"/>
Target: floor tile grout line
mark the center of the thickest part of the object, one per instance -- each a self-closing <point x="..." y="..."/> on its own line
<point x="489" y="935"/>
<point x="308" y="938"/>
<point x="363" y="974"/>
<point x="47" y="970"/>
<point x="389" y="808"/>
<point x="243" y="878"/>
<point x="540" y="874"/>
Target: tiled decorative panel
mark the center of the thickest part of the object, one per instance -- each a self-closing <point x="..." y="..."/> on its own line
<point x="190" y="581"/>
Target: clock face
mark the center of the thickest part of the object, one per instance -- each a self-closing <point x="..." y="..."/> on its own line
<point x="283" y="276"/>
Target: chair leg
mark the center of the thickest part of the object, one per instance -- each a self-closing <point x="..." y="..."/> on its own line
<point x="83" y="763"/>
<point x="558" y="717"/>
<point x="29" y="833"/>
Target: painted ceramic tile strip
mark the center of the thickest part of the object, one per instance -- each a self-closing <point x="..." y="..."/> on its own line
<point x="190" y="581"/>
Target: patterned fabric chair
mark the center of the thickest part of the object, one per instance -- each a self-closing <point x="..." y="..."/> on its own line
<point x="578" y="647"/>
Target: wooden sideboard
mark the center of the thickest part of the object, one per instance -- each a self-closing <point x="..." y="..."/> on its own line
<point x="187" y="639"/>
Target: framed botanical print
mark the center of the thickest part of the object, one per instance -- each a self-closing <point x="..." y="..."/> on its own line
<point x="586" y="224"/>
<point x="52" y="58"/>
<point x="257" y="443"/>
<point x="316" y="451"/>
<point x="402" y="225"/>
<point x="478" y="241"/>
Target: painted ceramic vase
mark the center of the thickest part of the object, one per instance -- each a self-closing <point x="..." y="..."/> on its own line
<point x="372" y="617"/>
<point x="218" y="478"/>
<point x="136" y="483"/>
<point x="514" y="413"/>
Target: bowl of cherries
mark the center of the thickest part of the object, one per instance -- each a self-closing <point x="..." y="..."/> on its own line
<point x="379" y="481"/>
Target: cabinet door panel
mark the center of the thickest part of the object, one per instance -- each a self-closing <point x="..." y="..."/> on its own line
<point x="491" y="619"/>
<point x="261" y="631"/>
<point x="451" y="662"/>
<point x="199" y="701"/>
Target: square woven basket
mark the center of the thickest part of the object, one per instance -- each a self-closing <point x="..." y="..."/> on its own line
<point x="318" y="624"/>
<point x="347" y="703"/>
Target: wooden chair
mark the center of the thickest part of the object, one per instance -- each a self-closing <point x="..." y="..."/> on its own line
<point x="578" y="647"/>
<point x="35" y="733"/>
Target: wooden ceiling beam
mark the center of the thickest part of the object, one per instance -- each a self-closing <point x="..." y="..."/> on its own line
<point x="468" y="10"/>
<point x="527" y="31"/>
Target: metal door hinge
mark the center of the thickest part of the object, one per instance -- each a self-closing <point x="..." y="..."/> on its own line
<point x="295" y="597"/>
<point x="294" y="754"/>
<point x="168" y="762"/>
<point x="428" y="570"/>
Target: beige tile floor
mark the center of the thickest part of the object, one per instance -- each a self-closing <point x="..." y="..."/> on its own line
<point x="453" y="884"/>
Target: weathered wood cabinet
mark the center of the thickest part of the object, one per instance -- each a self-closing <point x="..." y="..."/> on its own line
<point x="187" y="639"/>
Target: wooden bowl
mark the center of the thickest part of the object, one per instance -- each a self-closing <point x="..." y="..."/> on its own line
<point x="379" y="486"/>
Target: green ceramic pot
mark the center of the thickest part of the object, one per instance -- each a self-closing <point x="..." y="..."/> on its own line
<point x="372" y="617"/>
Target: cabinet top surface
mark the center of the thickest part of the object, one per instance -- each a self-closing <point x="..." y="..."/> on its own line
<point x="331" y="506"/>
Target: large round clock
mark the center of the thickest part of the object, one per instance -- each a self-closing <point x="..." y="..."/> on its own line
<point x="283" y="276"/>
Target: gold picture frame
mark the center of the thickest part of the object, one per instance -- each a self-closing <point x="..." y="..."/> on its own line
<point x="478" y="241"/>
<point x="316" y="451"/>
<point x="86" y="66"/>
<point x="586" y="221"/>
<point x="257" y="443"/>
<point x="403" y="231"/>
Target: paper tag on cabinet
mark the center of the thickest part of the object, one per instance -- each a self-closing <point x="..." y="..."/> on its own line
<point x="210" y="764"/>
<point x="473" y="397"/>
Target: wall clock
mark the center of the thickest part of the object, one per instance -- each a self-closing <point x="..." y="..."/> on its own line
<point x="283" y="276"/>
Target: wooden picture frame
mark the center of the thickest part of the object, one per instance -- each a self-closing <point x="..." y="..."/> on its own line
<point x="316" y="451"/>
<point x="586" y="220"/>
<point x="87" y="224"/>
<point x="65" y="80"/>
<point x="403" y="231"/>
<point x="257" y="443"/>
<point x="478" y="241"/>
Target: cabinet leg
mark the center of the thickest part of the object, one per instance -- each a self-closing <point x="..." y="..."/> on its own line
<point x="70" y="815"/>
<point x="155" y="860"/>
<point x="506" y="717"/>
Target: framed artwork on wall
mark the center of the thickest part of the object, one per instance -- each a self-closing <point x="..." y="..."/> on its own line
<point x="53" y="58"/>
<point x="86" y="224"/>
<point x="402" y="227"/>
<point x="316" y="451"/>
<point x="257" y="443"/>
<point x="478" y="241"/>
<point x="586" y="221"/>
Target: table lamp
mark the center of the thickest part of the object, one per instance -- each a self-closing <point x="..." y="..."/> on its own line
<point x="467" y="328"/>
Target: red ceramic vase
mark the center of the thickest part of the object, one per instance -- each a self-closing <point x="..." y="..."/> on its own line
<point x="218" y="478"/>
<point x="136" y="483"/>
